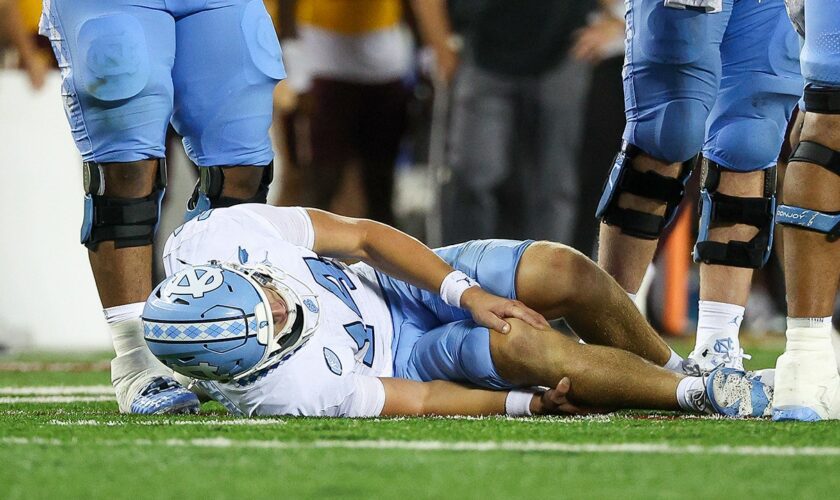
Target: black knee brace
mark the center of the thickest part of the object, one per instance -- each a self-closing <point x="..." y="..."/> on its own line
<point x="208" y="190"/>
<point x="803" y="218"/>
<point x="624" y="178"/>
<point x="718" y="208"/>
<point x="824" y="100"/>
<point x="128" y="222"/>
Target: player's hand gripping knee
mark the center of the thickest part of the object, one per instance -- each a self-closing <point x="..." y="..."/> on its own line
<point x="491" y="311"/>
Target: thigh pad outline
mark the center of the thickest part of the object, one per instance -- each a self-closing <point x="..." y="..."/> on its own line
<point x="115" y="57"/>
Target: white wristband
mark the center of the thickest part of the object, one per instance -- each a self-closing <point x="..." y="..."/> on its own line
<point x="453" y="286"/>
<point x="518" y="403"/>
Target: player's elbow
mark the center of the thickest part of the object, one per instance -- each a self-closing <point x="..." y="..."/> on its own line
<point x="407" y="398"/>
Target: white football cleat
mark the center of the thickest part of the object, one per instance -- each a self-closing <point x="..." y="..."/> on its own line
<point x="724" y="351"/>
<point x="807" y="386"/>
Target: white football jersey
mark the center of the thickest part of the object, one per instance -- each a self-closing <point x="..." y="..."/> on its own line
<point x="335" y="372"/>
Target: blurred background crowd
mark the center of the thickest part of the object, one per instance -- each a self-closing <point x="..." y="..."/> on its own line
<point x="451" y="119"/>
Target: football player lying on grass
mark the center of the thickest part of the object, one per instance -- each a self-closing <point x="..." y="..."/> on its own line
<point x="261" y="313"/>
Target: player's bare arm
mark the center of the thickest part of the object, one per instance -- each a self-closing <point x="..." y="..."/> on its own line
<point x="439" y="397"/>
<point x="403" y="257"/>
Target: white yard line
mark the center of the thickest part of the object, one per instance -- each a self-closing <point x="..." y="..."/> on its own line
<point x="37" y="366"/>
<point x="54" y="399"/>
<point x="243" y="422"/>
<point x="58" y="390"/>
<point x="463" y="446"/>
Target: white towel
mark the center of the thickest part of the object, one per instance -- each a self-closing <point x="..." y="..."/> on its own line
<point x="711" y="6"/>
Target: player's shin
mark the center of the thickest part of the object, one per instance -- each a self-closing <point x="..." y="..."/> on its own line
<point x="736" y="230"/>
<point x="640" y="199"/>
<point x="601" y="377"/>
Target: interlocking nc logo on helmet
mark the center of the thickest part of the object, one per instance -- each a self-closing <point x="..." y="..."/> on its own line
<point x="195" y="281"/>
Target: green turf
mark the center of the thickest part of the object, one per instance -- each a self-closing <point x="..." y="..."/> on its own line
<point x="151" y="457"/>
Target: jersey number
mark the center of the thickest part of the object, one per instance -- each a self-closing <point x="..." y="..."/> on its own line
<point x="362" y="334"/>
<point x="333" y="278"/>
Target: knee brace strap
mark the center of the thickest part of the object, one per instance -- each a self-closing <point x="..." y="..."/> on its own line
<point x="208" y="190"/>
<point x="623" y="178"/>
<point x="827" y="223"/>
<point x="813" y="220"/>
<point x="816" y="153"/>
<point x="718" y="208"/>
<point x="128" y="222"/>
<point x="825" y="100"/>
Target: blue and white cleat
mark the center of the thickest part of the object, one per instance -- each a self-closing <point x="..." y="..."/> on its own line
<point x="724" y="351"/>
<point x="164" y="396"/>
<point x="796" y="414"/>
<point x="734" y="393"/>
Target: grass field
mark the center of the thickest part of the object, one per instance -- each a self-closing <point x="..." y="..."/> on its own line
<point x="61" y="437"/>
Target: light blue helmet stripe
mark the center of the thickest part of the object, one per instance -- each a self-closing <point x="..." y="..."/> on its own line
<point x="211" y="330"/>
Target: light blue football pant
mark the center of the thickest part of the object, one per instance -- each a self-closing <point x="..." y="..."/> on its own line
<point x="131" y="66"/>
<point x="435" y="341"/>
<point x="724" y="83"/>
<point x="821" y="51"/>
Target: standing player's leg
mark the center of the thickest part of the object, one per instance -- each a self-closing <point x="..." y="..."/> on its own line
<point x="383" y="123"/>
<point x="334" y="136"/>
<point x="227" y="63"/>
<point x="809" y="387"/>
<point x="670" y="83"/>
<point x="116" y="63"/>
<point x="481" y="153"/>
<point x="759" y="88"/>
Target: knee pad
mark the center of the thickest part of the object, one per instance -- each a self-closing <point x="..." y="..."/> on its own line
<point x="115" y="65"/>
<point x="672" y="131"/>
<point x="718" y="208"/>
<point x="748" y="144"/>
<point x="623" y="178"/>
<point x="823" y="100"/>
<point x="803" y="218"/>
<point x="225" y="120"/>
<point x="262" y="42"/>
<point x="208" y="190"/>
<point x="128" y="222"/>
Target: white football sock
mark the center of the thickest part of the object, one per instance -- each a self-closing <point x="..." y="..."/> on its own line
<point x="835" y="341"/>
<point x="126" y="326"/>
<point x="675" y="362"/>
<point x="718" y="320"/>
<point x="691" y="394"/>
<point x="134" y="365"/>
<point x="809" y="334"/>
